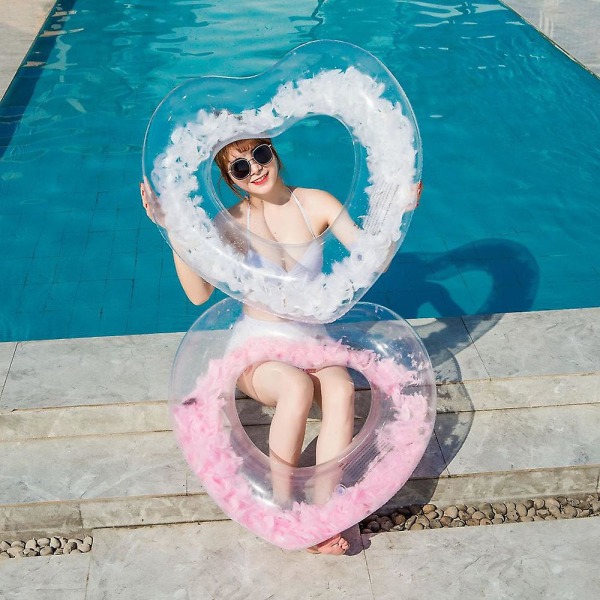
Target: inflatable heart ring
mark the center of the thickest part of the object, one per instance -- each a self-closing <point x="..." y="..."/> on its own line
<point x="374" y="342"/>
<point x="330" y="79"/>
<point x="324" y="78"/>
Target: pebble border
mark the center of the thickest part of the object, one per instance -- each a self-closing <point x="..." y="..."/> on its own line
<point x="418" y="517"/>
<point x="45" y="546"/>
<point x="415" y="517"/>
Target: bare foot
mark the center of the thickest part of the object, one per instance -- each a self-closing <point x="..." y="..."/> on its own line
<point x="336" y="545"/>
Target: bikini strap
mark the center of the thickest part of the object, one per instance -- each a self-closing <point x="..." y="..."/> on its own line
<point x="304" y="215"/>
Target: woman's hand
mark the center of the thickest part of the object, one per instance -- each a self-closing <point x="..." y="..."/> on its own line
<point x="151" y="204"/>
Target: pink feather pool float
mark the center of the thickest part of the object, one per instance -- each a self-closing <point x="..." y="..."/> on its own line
<point x="372" y="341"/>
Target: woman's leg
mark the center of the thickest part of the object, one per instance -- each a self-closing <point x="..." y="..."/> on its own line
<point x="286" y="388"/>
<point x="335" y="393"/>
<point x="290" y="391"/>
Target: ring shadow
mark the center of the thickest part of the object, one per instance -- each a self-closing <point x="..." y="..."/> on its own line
<point x="443" y="338"/>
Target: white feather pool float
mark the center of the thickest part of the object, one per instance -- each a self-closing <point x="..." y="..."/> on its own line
<point x="324" y="78"/>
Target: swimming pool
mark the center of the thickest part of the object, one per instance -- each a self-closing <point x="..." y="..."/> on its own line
<point x="511" y="157"/>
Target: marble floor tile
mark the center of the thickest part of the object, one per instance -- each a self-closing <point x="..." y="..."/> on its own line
<point x="521" y="439"/>
<point x="45" y="577"/>
<point x="90" y="371"/>
<point x="7" y="351"/>
<point x="556" y="342"/>
<point x="525" y="561"/>
<point x="450" y="347"/>
<point x="500" y="486"/>
<point x="19" y="24"/>
<point x="214" y="561"/>
<point x="432" y="464"/>
<point x="36" y="520"/>
<point x="571" y="24"/>
<point x="90" y="467"/>
<point x="519" y="392"/>
<point x="76" y="421"/>
<point x="127" y="512"/>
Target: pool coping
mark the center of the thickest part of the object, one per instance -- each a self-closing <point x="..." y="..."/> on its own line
<point x="486" y="365"/>
<point x="23" y="21"/>
<point x="519" y="416"/>
<point x="20" y="23"/>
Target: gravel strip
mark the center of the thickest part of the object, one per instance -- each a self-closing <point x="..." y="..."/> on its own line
<point x="415" y="517"/>
<point x="428" y="516"/>
<point x="45" y="546"/>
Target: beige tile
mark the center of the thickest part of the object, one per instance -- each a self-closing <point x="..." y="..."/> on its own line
<point x="7" y="352"/>
<point x="47" y="577"/>
<point x="32" y="520"/>
<point x="539" y="438"/>
<point x="550" y="561"/>
<point x="19" y="24"/>
<point x="90" y="467"/>
<point x="90" y="371"/>
<point x="84" y="421"/>
<point x="506" y="485"/>
<point x="572" y="24"/>
<point x="519" y="392"/>
<point x="149" y="511"/>
<point x="451" y="431"/>
<point x="416" y="491"/>
<point x="499" y="486"/>
<point x="25" y="16"/>
<point x="215" y="560"/>
<point x="432" y="464"/>
<point x="557" y="342"/>
<point x="451" y="349"/>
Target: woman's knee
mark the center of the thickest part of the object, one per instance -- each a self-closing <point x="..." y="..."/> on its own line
<point x="298" y="389"/>
<point x="337" y="396"/>
<point x="278" y="382"/>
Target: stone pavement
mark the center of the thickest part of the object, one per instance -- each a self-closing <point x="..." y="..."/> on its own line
<point x="525" y="561"/>
<point x="86" y="447"/>
<point x="85" y="438"/>
<point x="19" y="24"/>
<point x="571" y="24"/>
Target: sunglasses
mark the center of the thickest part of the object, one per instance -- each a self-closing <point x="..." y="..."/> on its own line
<point x="240" y="168"/>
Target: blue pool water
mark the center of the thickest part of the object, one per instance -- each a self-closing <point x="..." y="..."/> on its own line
<point x="510" y="128"/>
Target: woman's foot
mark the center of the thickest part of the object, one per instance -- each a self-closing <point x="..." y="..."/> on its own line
<point x="336" y="545"/>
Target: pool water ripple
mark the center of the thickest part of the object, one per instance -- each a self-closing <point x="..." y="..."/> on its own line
<point x="511" y="159"/>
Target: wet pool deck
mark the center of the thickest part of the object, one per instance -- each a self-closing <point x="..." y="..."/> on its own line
<point x="85" y="444"/>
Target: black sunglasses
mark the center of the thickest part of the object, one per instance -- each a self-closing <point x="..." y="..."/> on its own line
<point x="240" y="168"/>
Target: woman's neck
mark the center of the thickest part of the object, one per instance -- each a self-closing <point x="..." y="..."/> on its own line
<point x="280" y="194"/>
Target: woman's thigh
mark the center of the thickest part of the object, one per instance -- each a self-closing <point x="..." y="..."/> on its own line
<point x="266" y="382"/>
<point x="332" y="382"/>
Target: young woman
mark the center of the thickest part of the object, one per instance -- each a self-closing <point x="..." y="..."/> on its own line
<point x="294" y="217"/>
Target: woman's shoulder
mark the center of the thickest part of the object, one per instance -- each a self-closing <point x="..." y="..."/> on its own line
<point x="314" y="196"/>
<point x="319" y="203"/>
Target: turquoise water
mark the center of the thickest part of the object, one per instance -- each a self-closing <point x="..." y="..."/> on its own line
<point x="510" y="132"/>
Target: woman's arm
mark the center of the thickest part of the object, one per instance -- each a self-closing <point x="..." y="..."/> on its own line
<point x="343" y="227"/>
<point x="196" y="289"/>
<point x="334" y="215"/>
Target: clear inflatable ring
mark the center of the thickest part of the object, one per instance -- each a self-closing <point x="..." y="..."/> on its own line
<point x="328" y="498"/>
<point x="324" y="78"/>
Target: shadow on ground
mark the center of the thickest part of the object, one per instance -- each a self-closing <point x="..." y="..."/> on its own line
<point x="444" y="339"/>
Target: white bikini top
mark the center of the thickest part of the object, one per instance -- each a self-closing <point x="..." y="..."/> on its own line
<point x="309" y="264"/>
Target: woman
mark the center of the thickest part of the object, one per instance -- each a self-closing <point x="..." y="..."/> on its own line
<point x="295" y="218"/>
